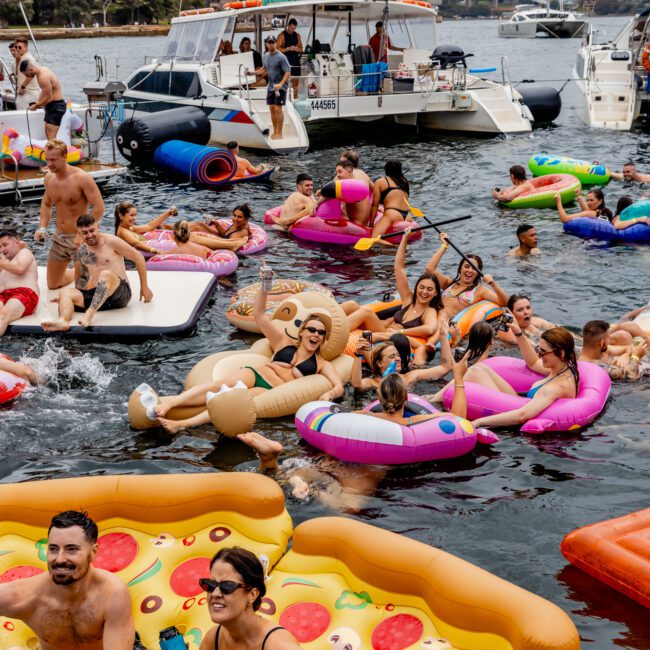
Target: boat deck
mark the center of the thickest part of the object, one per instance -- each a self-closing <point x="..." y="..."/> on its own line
<point x="28" y="183"/>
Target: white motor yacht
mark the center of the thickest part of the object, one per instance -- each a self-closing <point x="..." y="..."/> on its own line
<point x="612" y="78"/>
<point x="339" y="81"/>
<point x="531" y="20"/>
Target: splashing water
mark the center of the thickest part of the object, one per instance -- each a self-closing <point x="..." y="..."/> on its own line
<point x="59" y="370"/>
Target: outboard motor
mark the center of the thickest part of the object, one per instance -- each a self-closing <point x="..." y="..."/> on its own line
<point x="544" y="102"/>
<point x="449" y="56"/>
<point x="139" y="136"/>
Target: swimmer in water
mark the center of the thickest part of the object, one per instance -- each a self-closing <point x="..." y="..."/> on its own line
<point x="527" y="236"/>
<point x="630" y="173"/>
<point x="593" y="207"/>
<point x="532" y="326"/>
<point x="520" y="185"/>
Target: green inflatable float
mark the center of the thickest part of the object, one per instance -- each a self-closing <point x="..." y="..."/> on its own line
<point x="544" y="190"/>
<point x="587" y="173"/>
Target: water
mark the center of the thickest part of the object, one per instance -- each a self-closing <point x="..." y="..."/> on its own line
<point x="505" y="508"/>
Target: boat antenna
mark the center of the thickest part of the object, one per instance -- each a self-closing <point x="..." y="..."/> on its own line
<point x="31" y="34"/>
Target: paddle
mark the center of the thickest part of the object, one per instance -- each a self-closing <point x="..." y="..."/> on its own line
<point x="418" y="213"/>
<point x="366" y="243"/>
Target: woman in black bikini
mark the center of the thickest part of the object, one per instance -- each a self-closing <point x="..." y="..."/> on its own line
<point x="235" y="590"/>
<point x="289" y="362"/>
<point x="418" y="316"/>
<point x="392" y="192"/>
<point x="220" y="236"/>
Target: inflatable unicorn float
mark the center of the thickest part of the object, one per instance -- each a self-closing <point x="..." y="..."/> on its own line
<point x="29" y="152"/>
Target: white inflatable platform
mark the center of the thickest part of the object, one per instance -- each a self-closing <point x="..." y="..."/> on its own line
<point x="179" y="298"/>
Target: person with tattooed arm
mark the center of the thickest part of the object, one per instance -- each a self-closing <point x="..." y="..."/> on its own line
<point x="70" y="190"/>
<point x="100" y="277"/>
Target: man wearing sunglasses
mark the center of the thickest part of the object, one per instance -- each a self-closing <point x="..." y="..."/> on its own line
<point x="73" y="604"/>
<point x="27" y="88"/>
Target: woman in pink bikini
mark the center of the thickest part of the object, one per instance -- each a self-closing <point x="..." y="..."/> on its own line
<point x="465" y="289"/>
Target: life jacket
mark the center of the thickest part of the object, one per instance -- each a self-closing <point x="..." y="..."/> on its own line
<point x="645" y="59"/>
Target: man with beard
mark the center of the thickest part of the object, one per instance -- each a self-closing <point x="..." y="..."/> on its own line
<point x="73" y="605"/>
<point x="299" y="204"/>
<point x="101" y="282"/>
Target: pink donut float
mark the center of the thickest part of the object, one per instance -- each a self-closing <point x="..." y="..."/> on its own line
<point x="361" y="438"/>
<point x="10" y="385"/>
<point x="162" y="240"/>
<point x="563" y="415"/>
<point x="221" y="262"/>
<point x="258" y="241"/>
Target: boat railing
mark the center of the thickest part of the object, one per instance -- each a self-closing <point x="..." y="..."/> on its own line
<point x="505" y="75"/>
<point x="9" y="75"/>
<point x="18" y="197"/>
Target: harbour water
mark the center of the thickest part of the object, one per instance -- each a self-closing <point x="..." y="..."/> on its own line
<point x="505" y="508"/>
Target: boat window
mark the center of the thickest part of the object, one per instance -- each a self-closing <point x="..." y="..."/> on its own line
<point x="194" y="40"/>
<point x="178" y="84"/>
<point x="360" y="35"/>
<point x="398" y="34"/>
<point x="423" y="32"/>
<point x="325" y="29"/>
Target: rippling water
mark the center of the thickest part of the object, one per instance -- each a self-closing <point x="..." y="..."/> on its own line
<point x="505" y="508"/>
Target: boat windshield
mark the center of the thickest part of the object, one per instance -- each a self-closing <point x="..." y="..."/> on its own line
<point x="196" y="40"/>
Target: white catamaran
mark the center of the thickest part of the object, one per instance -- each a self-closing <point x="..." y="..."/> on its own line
<point x="340" y="80"/>
<point x="531" y="20"/>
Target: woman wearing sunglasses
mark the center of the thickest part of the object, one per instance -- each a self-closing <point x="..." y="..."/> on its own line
<point x="290" y="361"/>
<point x="554" y="357"/>
<point x="235" y="590"/>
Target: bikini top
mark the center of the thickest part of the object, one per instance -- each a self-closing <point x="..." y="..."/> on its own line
<point x="228" y="235"/>
<point x="414" y="322"/>
<point x="532" y="391"/>
<point x="466" y="296"/>
<point x="286" y="355"/>
<point x="268" y="634"/>
<point x="384" y="193"/>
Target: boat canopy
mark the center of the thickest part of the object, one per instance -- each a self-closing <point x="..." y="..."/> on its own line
<point x="342" y="26"/>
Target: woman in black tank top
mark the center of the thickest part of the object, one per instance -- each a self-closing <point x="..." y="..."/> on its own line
<point x="235" y="590"/>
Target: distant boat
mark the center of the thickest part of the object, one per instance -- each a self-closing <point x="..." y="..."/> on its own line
<point x="529" y="20"/>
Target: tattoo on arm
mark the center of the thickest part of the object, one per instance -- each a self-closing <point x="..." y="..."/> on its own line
<point x="100" y="295"/>
<point x="86" y="259"/>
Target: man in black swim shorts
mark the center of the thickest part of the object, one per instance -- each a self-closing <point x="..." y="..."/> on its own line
<point x="51" y="97"/>
<point x="279" y="72"/>
<point x="100" y="277"/>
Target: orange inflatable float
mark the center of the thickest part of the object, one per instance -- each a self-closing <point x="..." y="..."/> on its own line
<point x="616" y="552"/>
<point x="344" y="584"/>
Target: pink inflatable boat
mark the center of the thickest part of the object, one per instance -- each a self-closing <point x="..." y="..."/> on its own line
<point x="221" y="262"/>
<point x="361" y="438"/>
<point x="562" y="415"/>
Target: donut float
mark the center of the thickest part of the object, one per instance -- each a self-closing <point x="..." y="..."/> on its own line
<point x="220" y="262"/>
<point x="258" y="241"/>
<point x="240" y="311"/>
<point x="364" y="438"/>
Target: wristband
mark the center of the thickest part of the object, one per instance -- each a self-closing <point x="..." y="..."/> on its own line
<point x="459" y="385"/>
<point x="445" y="246"/>
<point x="41" y="231"/>
<point x="520" y="334"/>
<point x="633" y="356"/>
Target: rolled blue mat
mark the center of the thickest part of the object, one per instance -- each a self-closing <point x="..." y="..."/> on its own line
<point x="481" y="70"/>
<point x="206" y="166"/>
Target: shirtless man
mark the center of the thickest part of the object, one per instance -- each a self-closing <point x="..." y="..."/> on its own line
<point x="359" y="211"/>
<point x="18" y="280"/>
<point x="300" y="204"/>
<point x="70" y="190"/>
<point x="100" y="277"/>
<point x="630" y="173"/>
<point x="244" y="167"/>
<point x="520" y="184"/>
<point x="352" y="156"/>
<point x="621" y="362"/>
<point x="73" y="605"/>
<point x="527" y="236"/>
<point x="51" y="97"/>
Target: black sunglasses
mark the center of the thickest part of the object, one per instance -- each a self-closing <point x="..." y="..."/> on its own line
<point x="315" y="330"/>
<point x="226" y="587"/>
<point x="542" y="353"/>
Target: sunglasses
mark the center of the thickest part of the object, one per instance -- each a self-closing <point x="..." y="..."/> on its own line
<point x="542" y="353"/>
<point x="226" y="587"/>
<point x="315" y="330"/>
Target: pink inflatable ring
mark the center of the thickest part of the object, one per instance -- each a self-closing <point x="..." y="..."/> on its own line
<point x="10" y="385"/>
<point x="562" y="415"/>
<point x="258" y="241"/>
<point x="361" y="438"/>
<point x="221" y="262"/>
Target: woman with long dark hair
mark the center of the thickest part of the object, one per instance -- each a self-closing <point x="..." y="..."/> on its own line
<point x="391" y="191"/>
<point x="126" y="228"/>
<point x="235" y="589"/>
<point x="593" y="206"/>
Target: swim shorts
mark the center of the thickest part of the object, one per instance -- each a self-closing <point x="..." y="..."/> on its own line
<point x="54" y="112"/>
<point x="117" y="300"/>
<point x="63" y="247"/>
<point x="276" y="97"/>
<point x="28" y="297"/>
